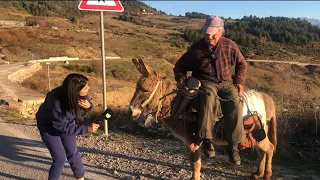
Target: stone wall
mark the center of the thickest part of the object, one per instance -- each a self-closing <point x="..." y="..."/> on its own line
<point x="19" y="98"/>
<point x="22" y="74"/>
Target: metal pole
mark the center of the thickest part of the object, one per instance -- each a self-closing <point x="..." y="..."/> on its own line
<point x="49" y="76"/>
<point x="315" y="114"/>
<point x="103" y="59"/>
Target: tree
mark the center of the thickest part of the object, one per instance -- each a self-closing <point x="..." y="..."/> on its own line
<point x="73" y="19"/>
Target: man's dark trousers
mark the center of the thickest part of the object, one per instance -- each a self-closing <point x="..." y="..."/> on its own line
<point x="231" y="110"/>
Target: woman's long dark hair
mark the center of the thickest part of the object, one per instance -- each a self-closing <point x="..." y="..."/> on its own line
<point x="68" y="92"/>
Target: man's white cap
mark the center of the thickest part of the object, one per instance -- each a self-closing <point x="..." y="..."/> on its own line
<point x="212" y="25"/>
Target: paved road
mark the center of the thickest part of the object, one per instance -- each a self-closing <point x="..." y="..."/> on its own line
<point x="8" y="67"/>
<point x="24" y="156"/>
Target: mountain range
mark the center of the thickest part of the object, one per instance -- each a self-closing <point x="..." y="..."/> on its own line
<point x="313" y="21"/>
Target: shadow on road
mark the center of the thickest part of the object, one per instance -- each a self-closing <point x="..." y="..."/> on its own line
<point x="12" y="176"/>
<point x="136" y="173"/>
<point x="33" y="154"/>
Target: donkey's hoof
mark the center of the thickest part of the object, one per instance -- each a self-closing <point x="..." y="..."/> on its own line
<point x="256" y="176"/>
<point x="267" y="176"/>
<point x="210" y="153"/>
<point x="195" y="178"/>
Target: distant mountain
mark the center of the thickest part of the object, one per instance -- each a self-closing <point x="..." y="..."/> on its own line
<point x="313" y="21"/>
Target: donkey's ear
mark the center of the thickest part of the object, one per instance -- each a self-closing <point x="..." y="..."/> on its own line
<point x="146" y="70"/>
<point x="137" y="64"/>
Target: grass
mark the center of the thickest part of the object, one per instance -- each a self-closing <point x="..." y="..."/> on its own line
<point x="12" y="116"/>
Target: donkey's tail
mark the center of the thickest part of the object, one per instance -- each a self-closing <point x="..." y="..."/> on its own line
<point x="271" y="115"/>
<point x="272" y="132"/>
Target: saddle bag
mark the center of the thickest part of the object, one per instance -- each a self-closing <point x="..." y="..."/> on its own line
<point x="254" y="132"/>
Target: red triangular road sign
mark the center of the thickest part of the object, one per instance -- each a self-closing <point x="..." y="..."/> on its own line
<point x="101" y="5"/>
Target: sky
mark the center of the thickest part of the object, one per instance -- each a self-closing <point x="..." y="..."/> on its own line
<point x="238" y="9"/>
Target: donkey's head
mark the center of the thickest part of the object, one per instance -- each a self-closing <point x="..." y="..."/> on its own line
<point x="145" y="101"/>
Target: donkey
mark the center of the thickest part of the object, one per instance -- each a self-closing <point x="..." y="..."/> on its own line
<point x="155" y="95"/>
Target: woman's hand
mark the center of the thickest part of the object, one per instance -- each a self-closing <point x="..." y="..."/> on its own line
<point x="93" y="127"/>
<point x="84" y="104"/>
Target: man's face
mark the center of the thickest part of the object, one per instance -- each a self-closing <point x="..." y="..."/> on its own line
<point x="212" y="39"/>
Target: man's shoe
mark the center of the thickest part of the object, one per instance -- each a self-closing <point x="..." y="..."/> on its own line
<point x="208" y="148"/>
<point x="234" y="156"/>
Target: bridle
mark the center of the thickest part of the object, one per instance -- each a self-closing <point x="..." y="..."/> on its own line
<point x="159" y="105"/>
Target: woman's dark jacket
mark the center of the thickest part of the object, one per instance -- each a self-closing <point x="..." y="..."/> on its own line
<point x="52" y="117"/>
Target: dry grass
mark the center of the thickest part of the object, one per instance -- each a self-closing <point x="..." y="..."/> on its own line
<point x="296" y="91"/>
<point x="121" y="39"/>
<point x="13" y="116"/>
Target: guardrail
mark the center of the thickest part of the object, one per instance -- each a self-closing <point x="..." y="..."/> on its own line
<point x="65" y="58"/>
<point x="51" y="59"/>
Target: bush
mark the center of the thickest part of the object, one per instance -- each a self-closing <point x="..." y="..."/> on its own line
<point x="192" y="35"/>
<point x="177" y="42"/>
<point x="12" y="37"/>
<point x="84" y="68"/>
<point x="126" y="18"/>
<point x="35" y="21"/>
<point x="73" y="19"/>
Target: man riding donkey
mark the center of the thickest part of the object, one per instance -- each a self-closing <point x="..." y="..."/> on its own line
<point x="221" y="68"/>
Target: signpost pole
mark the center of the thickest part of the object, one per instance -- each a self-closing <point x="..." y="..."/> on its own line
<point x="97" y="5"/>
<point x="103" y="59"/>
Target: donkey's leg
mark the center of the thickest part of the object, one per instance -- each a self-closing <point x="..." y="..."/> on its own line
<point x="194" y="150"/>
<point x="186" y="132"/>
<point x="267" y="147"/>
<point x="268" y="171"/>
<point x="262" y="161"/>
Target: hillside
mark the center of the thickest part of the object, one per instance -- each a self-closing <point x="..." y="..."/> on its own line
<point x="60" y="29"/>
<point x="70" y="36"/>
<point x="69" y="9"/>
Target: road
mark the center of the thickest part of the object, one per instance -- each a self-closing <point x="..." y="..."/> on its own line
<point x="24" y="156"/>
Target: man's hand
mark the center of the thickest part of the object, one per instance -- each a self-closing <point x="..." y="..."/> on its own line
<point x="240" y="88"/>
<point x="84" y="104"/>
<point x="181" y="84"/>
<point x="93" y="127"/>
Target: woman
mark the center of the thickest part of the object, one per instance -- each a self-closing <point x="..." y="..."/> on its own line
<point x="56" y="122"/>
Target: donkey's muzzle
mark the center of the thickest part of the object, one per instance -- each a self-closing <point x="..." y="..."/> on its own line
<point x="135" y="112"/>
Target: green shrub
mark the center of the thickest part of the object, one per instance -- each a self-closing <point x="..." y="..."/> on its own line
<point x="81" y="68"/>
<point x="192" y="35"/>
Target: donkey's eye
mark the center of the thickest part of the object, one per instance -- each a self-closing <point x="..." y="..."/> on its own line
<point x="143" y="89"/>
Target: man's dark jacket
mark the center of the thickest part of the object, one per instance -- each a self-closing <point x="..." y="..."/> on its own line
<point x="222" y="62"/>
